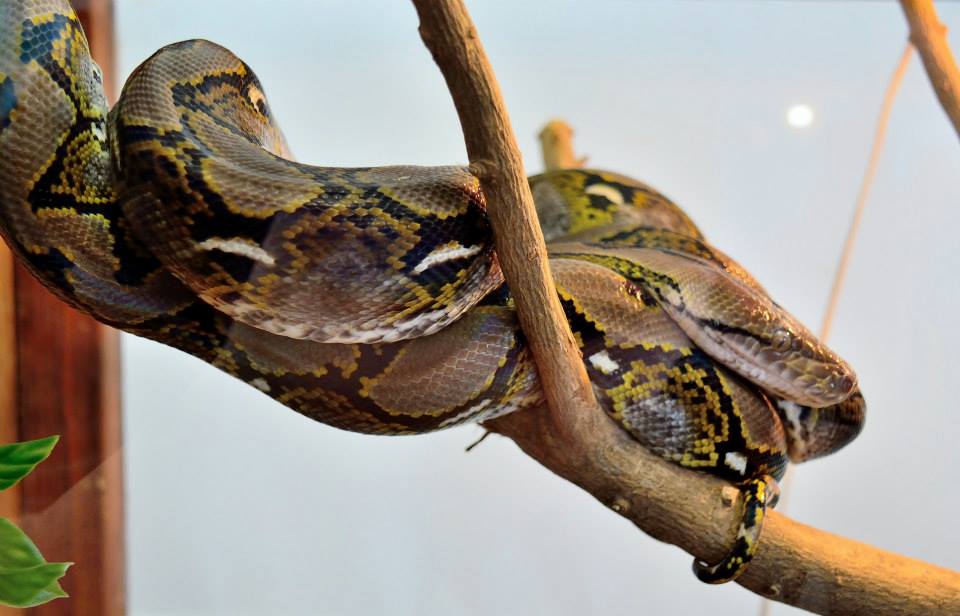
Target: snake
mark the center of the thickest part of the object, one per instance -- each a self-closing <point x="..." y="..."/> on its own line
<point x="371" y="299"/>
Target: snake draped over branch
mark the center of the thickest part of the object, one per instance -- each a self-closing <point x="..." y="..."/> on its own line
<point x="371" y="298"/>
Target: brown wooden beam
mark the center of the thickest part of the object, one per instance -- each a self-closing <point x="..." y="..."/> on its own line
<point x="65" y="370"/>
<point x="9" y="415"/>
<point x="71" y="506"/>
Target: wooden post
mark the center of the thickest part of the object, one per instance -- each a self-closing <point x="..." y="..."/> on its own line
<point x="9" y="499"/>
<point x="64" y="368"/>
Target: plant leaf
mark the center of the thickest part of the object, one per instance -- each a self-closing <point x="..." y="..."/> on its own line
<point x="18" y="459"/>
<point x="33" y="586"/>
<point x="26" y="579"/>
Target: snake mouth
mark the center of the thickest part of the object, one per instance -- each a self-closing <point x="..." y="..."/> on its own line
<point x="823" y="384"/>
<point x="822" y="375"/>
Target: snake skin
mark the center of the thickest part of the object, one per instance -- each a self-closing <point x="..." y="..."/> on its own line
<point x="371" y="299"/>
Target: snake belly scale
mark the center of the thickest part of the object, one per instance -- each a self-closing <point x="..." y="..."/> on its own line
<point x="371" y="299"/>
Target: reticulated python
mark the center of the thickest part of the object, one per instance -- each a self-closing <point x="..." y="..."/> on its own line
<point x="371" y="299"/>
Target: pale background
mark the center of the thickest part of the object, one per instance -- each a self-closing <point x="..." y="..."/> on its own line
<point x="238" y="506"/>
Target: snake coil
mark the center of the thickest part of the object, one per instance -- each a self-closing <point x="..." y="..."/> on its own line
<point x="371" y="298"/>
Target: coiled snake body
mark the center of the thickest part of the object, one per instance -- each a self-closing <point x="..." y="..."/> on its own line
<point x="370" y="298"/>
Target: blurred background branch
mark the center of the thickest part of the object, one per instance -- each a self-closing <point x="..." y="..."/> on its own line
<point x="556" y="146"/>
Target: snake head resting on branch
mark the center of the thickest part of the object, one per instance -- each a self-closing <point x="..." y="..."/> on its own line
<point x="371" y="298"/>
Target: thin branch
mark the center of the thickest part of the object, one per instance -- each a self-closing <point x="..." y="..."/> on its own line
<point x="929" y="36"/>
<point x="796" y="564"/>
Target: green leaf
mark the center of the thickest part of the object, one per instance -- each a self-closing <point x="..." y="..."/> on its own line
<point x="18" y="459"/>
<point x="26" y="579"/>
<point x="33" y="586"/>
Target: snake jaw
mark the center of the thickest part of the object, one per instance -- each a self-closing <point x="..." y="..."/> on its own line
<point x="824" y="384"/>
<point x="834" y="388"/>
<point x="813" y="374"/>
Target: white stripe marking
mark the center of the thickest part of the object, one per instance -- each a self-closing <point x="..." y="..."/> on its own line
<point x="446" y="253"/>
<point x="470" y="412"/>
<point x="238" y="246"/>
<point x="737" y="461"/>
<point x="605" y="190"/>
<point x="604" y="363"/>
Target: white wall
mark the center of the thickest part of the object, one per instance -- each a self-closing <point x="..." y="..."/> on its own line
<point x="237" y="505"/>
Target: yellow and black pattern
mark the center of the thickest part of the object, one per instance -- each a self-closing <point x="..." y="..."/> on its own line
<point x="757" y="495"/>
<point x="371" y="298"/>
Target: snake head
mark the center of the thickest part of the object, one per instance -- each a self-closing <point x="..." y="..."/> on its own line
<point x="742" y="327"/>
<point x="738" y="325"/>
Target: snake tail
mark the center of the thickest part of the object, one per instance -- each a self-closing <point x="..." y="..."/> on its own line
<point x="758" y="494"/>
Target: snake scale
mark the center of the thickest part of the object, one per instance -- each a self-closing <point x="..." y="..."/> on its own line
<point x="371" y="298"/>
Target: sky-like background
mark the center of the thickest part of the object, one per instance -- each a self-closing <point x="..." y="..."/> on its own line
<point x="238" y="506"/>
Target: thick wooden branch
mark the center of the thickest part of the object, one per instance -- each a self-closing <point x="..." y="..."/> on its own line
<point x="449" y="34"/>
<point x="796" y="564"/>
<point x="929" y="36"/>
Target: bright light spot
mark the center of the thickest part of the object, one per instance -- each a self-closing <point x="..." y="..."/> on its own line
<point x="800" y="116"/>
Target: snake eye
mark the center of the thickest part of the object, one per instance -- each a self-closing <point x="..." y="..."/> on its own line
<point x="782" y="340"/>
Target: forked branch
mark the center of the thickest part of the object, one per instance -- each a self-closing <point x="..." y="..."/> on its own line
<point x="796" y="564"/>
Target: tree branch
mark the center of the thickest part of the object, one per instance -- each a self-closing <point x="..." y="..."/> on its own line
<point x="449" y="34"/>
<point x="796" y="564"/>
<point x="929" y="36"/>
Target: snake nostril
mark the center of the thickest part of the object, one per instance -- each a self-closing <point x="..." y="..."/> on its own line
<point x="846" y="384"/>
<point x="838" y="384"/>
